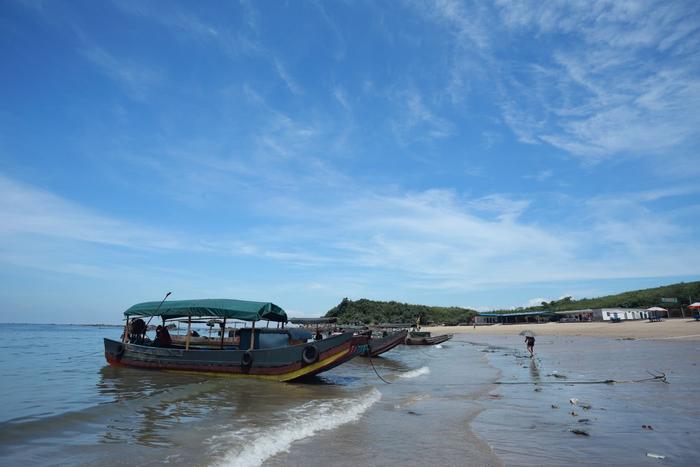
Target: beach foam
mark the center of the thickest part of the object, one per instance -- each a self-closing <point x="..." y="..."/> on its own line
<point x="304" y="421"/>
<point x="424" y="370"/>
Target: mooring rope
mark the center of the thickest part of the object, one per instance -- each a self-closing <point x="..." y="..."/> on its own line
<point x="376" y="372"/>
<point x="661" y="377"/>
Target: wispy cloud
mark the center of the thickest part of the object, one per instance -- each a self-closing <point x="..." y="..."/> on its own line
<point x="135" y="78"/>
<point x="341" y="96"/>
<point x="432" y="240"/>
<point x="622" y="81"/>
<point x="608" y="91"/>
<point x="285" y="76"/>
<point x="417" y="121"/>
<point x="541" y="176"/>
<point x="26" y="210"/>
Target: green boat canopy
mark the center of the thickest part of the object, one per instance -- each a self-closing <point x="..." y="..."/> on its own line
<point x="218" y="307"/>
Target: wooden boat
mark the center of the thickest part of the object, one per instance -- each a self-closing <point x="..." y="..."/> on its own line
<point x="424" y="338"/>
<point x="380" y="345"/>
<point x="280" y="354"/>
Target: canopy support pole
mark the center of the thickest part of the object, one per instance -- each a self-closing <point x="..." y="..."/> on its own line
<point x="223" y="331"/>
<point x="189" y="330"/>
<point x="126" y="329"/>
<point x="252" y="336"/>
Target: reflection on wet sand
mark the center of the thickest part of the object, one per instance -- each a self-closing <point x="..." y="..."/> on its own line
<point x="152" y="403"/>
<point x="534" y="370"/>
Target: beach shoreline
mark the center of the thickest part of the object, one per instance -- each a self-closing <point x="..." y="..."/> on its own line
<point x="676" y="328"/>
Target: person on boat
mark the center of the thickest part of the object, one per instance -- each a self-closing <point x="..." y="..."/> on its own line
<point x="530" y="342"/>
<point x="138" y="330"/>
<point x="318" y="335"/>
<point x="163" y="338"/>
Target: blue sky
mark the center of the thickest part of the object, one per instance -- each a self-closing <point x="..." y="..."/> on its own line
<point x="478" y="154"/>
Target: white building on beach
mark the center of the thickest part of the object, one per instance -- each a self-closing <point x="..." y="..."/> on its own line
<point x="604" y="314"/>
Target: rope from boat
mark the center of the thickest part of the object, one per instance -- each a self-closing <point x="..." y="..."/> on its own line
<point x="661" y="377"/>
<point x="376" y="372"/>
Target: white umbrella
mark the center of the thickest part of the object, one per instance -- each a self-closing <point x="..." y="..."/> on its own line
<point x="694" y="306"/>
<point x="527" y="333"/>
<point x="656" y="308"/>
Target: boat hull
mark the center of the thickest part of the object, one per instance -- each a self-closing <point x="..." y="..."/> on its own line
<point x="381" y="345"/>
<point x="430" y="340"/>
<point x="280" y="363"/>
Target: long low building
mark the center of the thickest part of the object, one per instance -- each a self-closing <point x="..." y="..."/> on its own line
<point x="588" y="314"/>
<point x="604" y="314"/>
<point x="513" y="318"/>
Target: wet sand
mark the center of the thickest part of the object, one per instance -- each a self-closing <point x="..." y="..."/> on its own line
<point x="552" y="410"/>
<point x="679" y="328"/>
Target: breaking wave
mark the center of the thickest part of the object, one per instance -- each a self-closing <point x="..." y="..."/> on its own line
<point x="258" y="445"/>
<point x="424" y="370"/>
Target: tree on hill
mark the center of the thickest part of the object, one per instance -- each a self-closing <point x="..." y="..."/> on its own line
<point x="365" y="311"/>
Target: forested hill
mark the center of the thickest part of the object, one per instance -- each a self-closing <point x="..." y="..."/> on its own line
<point x="372" y="312"/>
<point x="683" y="292"/>
<point x="365" y="311"/>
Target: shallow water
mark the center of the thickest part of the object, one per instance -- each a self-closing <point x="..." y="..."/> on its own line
<point x="62" y="405"/>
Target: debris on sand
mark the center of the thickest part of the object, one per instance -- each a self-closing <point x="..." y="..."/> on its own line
<point x="583" y="405"/>
<point x="655" y="456"/>
<point x="555" y="406"/>
<point x="576" y="431"/>
<point x="647" y="427"/>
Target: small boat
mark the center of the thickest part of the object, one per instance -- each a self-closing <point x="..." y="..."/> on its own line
<point x="424" y="338"/>
<point x="380" y="345"/>
<point x="282" y="354"/>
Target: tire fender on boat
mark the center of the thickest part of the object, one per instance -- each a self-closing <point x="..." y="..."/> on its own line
<point x="247" y="359"/>
<point x="309" y="354"/>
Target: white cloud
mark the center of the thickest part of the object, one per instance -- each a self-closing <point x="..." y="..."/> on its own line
<point x="416" y="120"/>
<point x="341" y="97"/>
<point x="613" y="93"/>
<point x="26" y="210"/>
<point x="135" y="78"/>
<point x="430" y="240"/>
<point x="536" y="301"/>
<point x="284" y="75"/>
<point x="608" y="78"/>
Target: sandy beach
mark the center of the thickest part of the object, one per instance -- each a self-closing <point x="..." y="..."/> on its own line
<point x="686" y="329"/>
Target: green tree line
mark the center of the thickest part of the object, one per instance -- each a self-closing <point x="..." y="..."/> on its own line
<point x="365" y="311"/>
<point x="684" y="292"/>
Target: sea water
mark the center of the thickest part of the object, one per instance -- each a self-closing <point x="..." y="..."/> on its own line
<point x="62" y="405"/>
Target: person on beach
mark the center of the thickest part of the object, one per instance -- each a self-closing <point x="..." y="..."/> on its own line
<point x="530" y="342"/>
